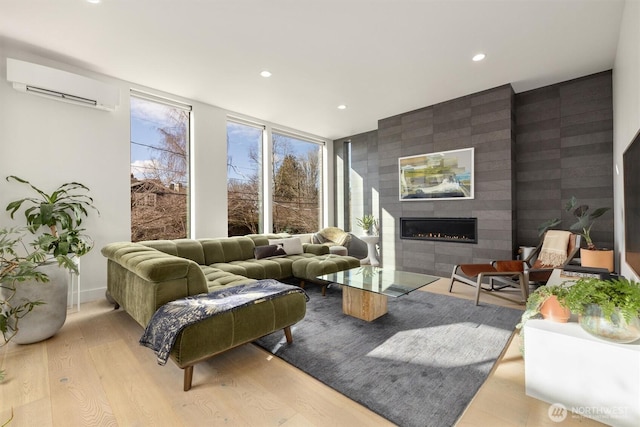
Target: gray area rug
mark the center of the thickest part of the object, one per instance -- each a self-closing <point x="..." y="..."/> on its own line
<point x="418" y="365"/>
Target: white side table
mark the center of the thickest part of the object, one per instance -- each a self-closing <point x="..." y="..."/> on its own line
<point x="593" y="378"/>
<point x="372" y="251"/>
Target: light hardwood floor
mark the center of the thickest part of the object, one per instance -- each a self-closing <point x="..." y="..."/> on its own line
<point x="93" y="372"/>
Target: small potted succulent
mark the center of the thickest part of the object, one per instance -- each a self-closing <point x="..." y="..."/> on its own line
<point x="369" y="224"/>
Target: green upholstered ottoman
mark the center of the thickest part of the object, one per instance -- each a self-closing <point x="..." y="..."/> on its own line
<point x="217" y="334"/>
<point x="309" y="268"/>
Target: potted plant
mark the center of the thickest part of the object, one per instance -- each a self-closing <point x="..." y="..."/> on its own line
<point x="591" y="256"/>
<point x="17" y="264"/>
<point x="548" y="302"/>
<point x="368" y="223"/>
<point x="56" y="221"/>
<point x="608" y="309"/>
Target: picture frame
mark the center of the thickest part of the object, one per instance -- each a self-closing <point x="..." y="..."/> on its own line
<point x="444" y="175"/>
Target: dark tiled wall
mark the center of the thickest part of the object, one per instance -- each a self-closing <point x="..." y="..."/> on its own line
<point x="564" y="148"/>
<point x="561" y="146"/>
<point x="483" y="121"/>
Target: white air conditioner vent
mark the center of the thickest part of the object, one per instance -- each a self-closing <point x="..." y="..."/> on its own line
<point x="61" y="85"/>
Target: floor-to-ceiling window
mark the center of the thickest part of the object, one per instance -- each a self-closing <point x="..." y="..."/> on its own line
<point x="159" y="168"/>
<point x="297" y="172"/>
<point x="244" y="178"/>
<point x="291" y="165"/>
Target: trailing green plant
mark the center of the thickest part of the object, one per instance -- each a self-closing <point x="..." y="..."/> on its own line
<point x="543" y="293"/>
<point x="58" y="215"/>
<point x="17" y="264"/>
<point x="538" y="297"/>
<point x="585" y="219"/>
<point x="368" y="223"/>
<point x="534" y="303"/>
<point x="621" y="294"/>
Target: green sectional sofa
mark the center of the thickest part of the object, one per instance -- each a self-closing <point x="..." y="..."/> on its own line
<point x="142" y="277"/>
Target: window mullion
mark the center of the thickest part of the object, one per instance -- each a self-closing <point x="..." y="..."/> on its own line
<point x="267" y="181"/>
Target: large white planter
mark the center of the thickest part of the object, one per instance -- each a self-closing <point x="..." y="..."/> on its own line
<point x="44" y="320"/>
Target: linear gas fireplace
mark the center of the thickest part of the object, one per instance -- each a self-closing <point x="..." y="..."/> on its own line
<point x="462" y="230"/>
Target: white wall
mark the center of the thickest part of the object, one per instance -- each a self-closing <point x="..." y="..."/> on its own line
<point x="626" y="111"/>
<point x="49" y="143"/>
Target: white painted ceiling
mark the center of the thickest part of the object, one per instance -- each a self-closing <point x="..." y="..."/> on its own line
<point x="379" y="57"/>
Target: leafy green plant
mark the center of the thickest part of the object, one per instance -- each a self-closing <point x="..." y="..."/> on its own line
<point x="542" y="228"/>
<point x="538" y="297"/>
<point x="585" y="219"/>
<point x="60" y="213"/>
<point x="17" y="264"/>
<point x="621" y="294"/>
<point x="368" y="223"/>
<point x="534" y="303"/>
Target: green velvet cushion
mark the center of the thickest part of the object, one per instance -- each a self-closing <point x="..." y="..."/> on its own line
<point x="318" y="266"/>
<point x="227" y="249"/>
<point x="146" y="262"/>
<point x="191" y="249"/>
<point x="254" y="269"/>
<point x="316" y="249"/>
<point x="166" y="246"/>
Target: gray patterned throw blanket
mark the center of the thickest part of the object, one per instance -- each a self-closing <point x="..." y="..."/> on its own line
<point x="167" y="322"/>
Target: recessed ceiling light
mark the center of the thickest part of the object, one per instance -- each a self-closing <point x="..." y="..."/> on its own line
<point x="94" y="1"/>
<point x="265" y="73"/>
<point x="342" y="107"/>
<point x="479" y="57"/>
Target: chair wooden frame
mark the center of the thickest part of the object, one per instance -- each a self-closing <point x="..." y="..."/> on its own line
<point x="511" y="273"/>
<point x="493" y="272"/>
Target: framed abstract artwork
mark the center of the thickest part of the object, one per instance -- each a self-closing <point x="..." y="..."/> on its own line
<point x="447" y="175"/>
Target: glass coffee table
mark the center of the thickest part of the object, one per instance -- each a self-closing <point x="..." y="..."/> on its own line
<point x="365" y="289"/>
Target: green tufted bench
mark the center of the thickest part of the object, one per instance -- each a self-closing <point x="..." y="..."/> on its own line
<point x="142" y="277"/>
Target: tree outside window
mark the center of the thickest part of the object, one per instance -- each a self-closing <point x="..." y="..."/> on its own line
<point x="159" y="170"/>
<point x="296" y="185"/>
<point x="296" y="166"/>
<point x="244" y="172"/>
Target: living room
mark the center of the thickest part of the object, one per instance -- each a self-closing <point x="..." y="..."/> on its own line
<point x="46" y="141"/>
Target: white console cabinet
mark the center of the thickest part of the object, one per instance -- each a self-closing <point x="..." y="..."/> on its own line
<point x="590" y="377"/>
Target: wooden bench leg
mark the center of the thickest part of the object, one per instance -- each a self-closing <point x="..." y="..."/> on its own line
<point x="287" y="334"/>
<point x="188" y="376"/>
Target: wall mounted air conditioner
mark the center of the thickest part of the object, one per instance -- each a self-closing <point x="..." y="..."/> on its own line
<point x="61" y="85"/>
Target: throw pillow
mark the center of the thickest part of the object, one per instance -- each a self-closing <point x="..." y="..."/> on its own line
<point x="292" y="246"/>
<point x="268" y="251"/>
